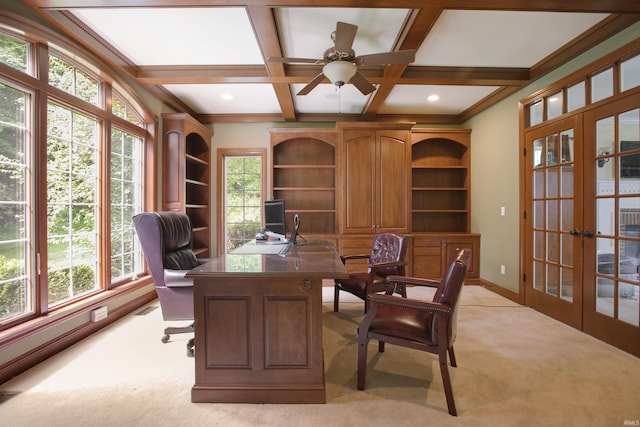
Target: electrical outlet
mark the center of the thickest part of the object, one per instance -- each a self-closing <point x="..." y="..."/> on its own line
<point x="502" y="269"/>
<point x="99" y="314"/>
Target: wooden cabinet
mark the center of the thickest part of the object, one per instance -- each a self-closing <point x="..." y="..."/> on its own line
<point x="375" y="179"/>
<point x="186" y="174"/>
<point x="356" y="245"/>
<point x="304" y="175"/>
<point x="431" y="254"/>
<point x="440" y="193"/>
<point x="359" y="178"/>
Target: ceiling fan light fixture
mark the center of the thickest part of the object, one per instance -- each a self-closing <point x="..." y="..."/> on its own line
<point x="339" y="72"/>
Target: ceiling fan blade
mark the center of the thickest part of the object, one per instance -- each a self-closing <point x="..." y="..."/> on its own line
<point x="295" y="60"/>
<point x="397" y="57"/>
<point x="312" y="84"/>
<point x="345" y="35"/>
<point x="362" y="84"/>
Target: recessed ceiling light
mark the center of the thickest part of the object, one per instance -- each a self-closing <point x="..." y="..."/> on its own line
<point x="433" y="98"/>
<point x="226" y="96"/>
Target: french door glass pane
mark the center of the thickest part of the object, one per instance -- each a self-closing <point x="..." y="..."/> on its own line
<point x="554" y="105"/>
<point x="630" y="73"/>
<point x="16" y="276"/>
<point x="602" y="85"/>
<point x="576" y="96"/>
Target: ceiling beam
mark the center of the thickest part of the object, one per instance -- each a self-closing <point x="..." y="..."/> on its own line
<point x="266" y="33"/>
<point x="608" y="6"/>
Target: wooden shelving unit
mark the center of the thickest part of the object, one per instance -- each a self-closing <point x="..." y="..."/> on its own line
<point x="440" y="196"/>
<point x="186" y="175"/>
<point x="304" y="175"/>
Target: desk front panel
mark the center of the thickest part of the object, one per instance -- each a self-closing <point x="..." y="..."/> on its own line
<point x="259" y="340"/>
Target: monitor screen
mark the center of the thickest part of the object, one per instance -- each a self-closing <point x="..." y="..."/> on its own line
<point x="274" y="216"/>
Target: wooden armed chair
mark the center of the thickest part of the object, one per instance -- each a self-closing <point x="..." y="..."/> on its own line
<point x="421" y="325"/>
<point x="387" y="257"/>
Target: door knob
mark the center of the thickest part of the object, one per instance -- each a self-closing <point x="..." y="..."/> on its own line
<point x="575" y="232"/>
<point x="588" y="233"/>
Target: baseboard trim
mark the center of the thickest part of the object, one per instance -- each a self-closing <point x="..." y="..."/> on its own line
<point x="59" y="343"/>
<point x="513" y="296"/>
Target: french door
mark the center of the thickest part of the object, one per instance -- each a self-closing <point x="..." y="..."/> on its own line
<point x="554" y="231"/>
<point x="612" y="208"/>
<point x="582" y="223"/>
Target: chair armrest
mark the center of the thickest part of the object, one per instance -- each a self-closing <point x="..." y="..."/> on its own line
<point x="415" y="304"/>
<point x="176" y="279"/>
<point x="345" y="258"/>
<point x="417" y="281"/>
<point x="379" y="265"/>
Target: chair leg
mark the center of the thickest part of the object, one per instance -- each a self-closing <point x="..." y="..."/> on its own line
<point x="452" y="357"/>
<point x="446" y="381"/>
<point x="336" y="297"/>
<point x="170" y="330"/>
<point x="362" y="362"/>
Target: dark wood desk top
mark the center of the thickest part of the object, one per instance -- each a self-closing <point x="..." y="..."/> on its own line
<point x="310" y="259"/>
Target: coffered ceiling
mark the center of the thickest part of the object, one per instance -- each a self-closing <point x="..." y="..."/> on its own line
<point x="211" y="58"/>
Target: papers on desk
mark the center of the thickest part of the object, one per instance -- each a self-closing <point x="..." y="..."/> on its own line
<point x="263" y="247"/>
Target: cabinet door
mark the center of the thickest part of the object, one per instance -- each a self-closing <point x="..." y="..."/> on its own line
<point x="376" y="180"/>
<point x="454" y="244"/>
<point x="392" y="180"/>
<point x="359" y="166"/>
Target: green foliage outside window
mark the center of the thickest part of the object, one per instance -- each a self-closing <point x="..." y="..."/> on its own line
<point x="14" y="53"/>
<point x="243" y="199"/>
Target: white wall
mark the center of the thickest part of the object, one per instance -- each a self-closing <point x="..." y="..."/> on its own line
<point x="495" y="175"/>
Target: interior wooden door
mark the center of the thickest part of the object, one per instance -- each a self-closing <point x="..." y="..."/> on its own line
<point x="554" y="231"/>
<point x="612" y="209"/>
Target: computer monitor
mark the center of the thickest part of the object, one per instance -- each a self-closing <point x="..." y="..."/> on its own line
<point x="274" y="216"/>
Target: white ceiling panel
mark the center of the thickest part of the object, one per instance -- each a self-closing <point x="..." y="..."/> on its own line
<point x="306" y="32"/>
<point x="412" y="99"/>
<point x="174" y="36"/>
<point x="227" y="98"/>
<point x="477" y="38"/>
<point x="327" y="98"/>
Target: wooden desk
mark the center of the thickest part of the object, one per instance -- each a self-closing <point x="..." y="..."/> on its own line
<point x="258" y="325"/>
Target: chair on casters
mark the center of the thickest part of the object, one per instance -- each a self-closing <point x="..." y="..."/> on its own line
<point x="387" y="257"/>
<point x="421" y="325"/>
<point x="166" y="240"/>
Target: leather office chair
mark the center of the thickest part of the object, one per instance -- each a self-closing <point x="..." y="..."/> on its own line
<point x="166" y="239"/>
<point x="421" y="325"/>
<point x="387" y="257"/>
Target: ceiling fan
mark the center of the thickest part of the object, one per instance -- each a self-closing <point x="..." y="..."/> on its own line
<point x="341" y="63"/>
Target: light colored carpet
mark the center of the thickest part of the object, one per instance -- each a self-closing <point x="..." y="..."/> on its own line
<point x="516" y="367"/>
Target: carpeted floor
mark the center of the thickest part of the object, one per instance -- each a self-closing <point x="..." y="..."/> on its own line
<point x="516" y="367"/>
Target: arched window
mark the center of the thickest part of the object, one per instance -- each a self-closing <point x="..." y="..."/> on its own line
<point x="73" y="171"/>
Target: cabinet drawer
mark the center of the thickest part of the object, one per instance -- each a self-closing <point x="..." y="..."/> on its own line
<point x="432" y="251"/>
<point x="356" y="246"/>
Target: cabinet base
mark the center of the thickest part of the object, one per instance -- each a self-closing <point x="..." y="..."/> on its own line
<point x="276" y="394"/>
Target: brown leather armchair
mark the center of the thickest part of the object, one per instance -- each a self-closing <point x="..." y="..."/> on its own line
<point x="421" y="325"/>
<point x="387" y="257"/>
